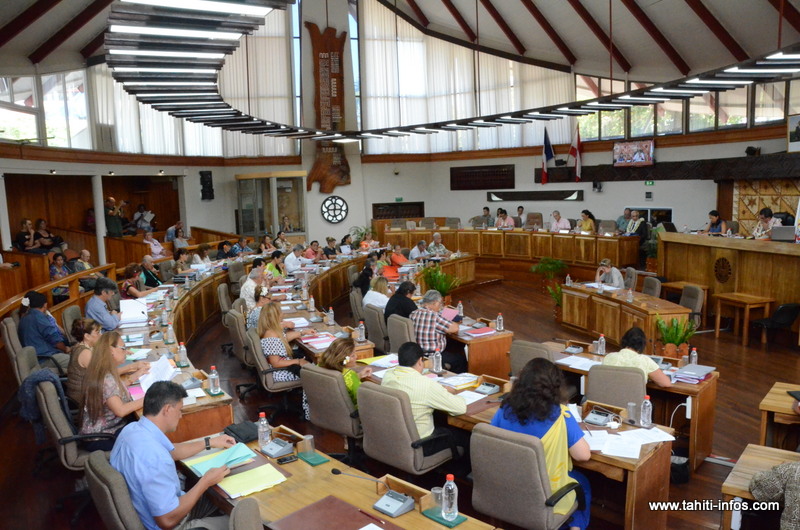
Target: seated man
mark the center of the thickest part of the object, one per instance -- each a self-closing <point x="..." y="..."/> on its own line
<point x="437" y="248"/>
<point x="559" y="223"/>
<point x="224" y="250"/>
<point x="295" y="260"/>
<point x="419" y="251"/>
<point x="39" y="330"/>
<point x="623" y="220"/>
<point x="766" y="222"/>
<point x="425" y="395"/>
<point x="400" y="303"/>
<point x="150" y="275"/>
<point x="240" y="247"/>
<point x="483" y="220"/>
<point x="313" y="252"/>
<point x="431" y="328"/>
<point x="82" y="263"/>
<point x="26" y="240"/>
<point x="636" y="227"/>
<point x="97" y="306"/>
<point x="146" y="458"/>
<point x="172" y="231"/>
<point x="633" y="343"/>
<point x="254" y="279"/>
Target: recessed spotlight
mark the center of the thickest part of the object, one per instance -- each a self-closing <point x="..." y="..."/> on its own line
<point x="52" y="171"/>
<point x="160" y="171"/>
<point x="111" y="173"/>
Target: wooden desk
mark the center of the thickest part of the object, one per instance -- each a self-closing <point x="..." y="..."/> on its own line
<point x="746" y="302"/>
<point x="776" y="409"/>
<point x="669" y="287"/>
<point x="488" y="355"/>
<point x="608" y="313"/>
<point x="645" y="480"/>
<point x="755" y="458"/>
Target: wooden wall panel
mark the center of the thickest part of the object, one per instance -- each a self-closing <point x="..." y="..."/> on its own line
<point x="606" y="318"/>
<point x="395" y="238"/>
<point x="449" y="239"/>
<point x="60" y="199"/>
<point x="585" y="249"/>
<point x="158" y="194"/>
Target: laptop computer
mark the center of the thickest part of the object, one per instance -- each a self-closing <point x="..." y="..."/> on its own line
<point x="783" y="233"/>
<point x="669" y="227"/>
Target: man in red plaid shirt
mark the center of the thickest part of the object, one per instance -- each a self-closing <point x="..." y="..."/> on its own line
<point x="430" y="329"/>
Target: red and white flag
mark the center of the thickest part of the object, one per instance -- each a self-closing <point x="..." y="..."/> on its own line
<point x="575" y="151"/>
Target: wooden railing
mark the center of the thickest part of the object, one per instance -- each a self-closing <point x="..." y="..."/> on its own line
<point x="123" y="250"/>
<point x="77" y="239"/>
<point x="36" y="267"/>
<point x="204" y="235"/>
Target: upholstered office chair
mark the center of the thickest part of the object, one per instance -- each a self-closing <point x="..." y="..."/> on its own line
<point x="246" y="515"/>
<point x="330" y="406"/>
<point x="607" y="227"/>
<point x="615" y="385"/>
<point x="235" y="323"/>
<point x="398" y="223"/>
<point x="517" y="221"/>
<point x="235" y="272"/>
<point x="782" y="318"/>
<point x="25" y="363"/>
<point x="733" y="226"/>
<point x="630" y="278"/>
<point x="165" y="269"/>
<point x="534" y="219"/>
<point x="523" y="351"/>
<point x="410" y="225"/>
<point x="225" y="305"/>
<point x="15" y="316"/>
<point x="452" y="222"/>
<point x="390" y="434"/>
<point x="356" y="304"/>
<point x="406" y="252"/>
<point x="506" y="461"/>
<point x="352" y="274"/>
<point x="376" y="328"/>
<point x="110" y="494"/>
<point x="692" y="298"/>
<point x="786" y="218"/>
<point x="240" y="305"/>
<point x="572" y="223"/>
<point x="427" y="222"/>
<point x="14" y="347"/>
<point x="266" y="378"/>
<point x="651" y="286"/>
<point x="70" y="315"/>
<point x="400" y="330"/>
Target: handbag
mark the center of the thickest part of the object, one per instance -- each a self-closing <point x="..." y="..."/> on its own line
<point x="244" y="432"/>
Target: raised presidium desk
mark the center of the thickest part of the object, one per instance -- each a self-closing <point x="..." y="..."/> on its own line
<point x="755" y="458"/>
<point x="522" y="244"/>
<point x="587" y="310"/>
<point x="777" y="415"/>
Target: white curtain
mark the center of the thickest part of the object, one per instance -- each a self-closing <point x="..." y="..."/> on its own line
<point x="410" y="78"/>
<point x="115" y="112"/>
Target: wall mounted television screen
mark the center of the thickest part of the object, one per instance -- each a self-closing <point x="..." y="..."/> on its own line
<point x="633" y="154"/>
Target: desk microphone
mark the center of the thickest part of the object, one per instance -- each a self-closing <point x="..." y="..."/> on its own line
<point x="336" y="471"/>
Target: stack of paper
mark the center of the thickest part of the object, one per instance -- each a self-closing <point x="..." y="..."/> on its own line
<point x="134" y="339"/>
<point x="138" y="355"/>
<point x="471" y="397"/>
<point x="280" y="288"/>
<point x="578" y="363"/>
<point x="232" y="457"/>
<point x="693" y="373"/>
<point x="460" y="381"/>
<point x="385" y="361"/>
<point x="132" y="312"/>
<point x="481" y="332"/>
<point x="320" y="341"/>
<point x="299" y="322"/>
<point x="625" y="444"/>
<point x="161" y="370"/>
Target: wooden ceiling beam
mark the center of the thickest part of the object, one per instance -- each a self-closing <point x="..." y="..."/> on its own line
<point x="418" y="12"/>
<point x="25" y="19"/>
<point x="599" y="33"/>
<point x="641" y="17"/>
<point x="718" y="29"/>
<point x="93" y="45"/>
<point x="790" y="13"/>
<point x="551" y="32"/>
<point x="498" y="18"/>
<point x="68" y="30"/>
<point x="460" y="20"/>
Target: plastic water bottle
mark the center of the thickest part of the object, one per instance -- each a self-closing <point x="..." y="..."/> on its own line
<point x="183" y="356"/>
<point x="629" y="296"/>
<point x="312" y="308"/>
<point x="170" y="338"/>
<point x="568" y="281"/>
<point x="213" y="381"/>
<point x="175" y="292"/>
<point x="362" y="331"/>
<point x="164" y="318"/>
<point x="167" y="304"/>
<point x="460" y="308"/>
<point x="646" y="415"/>
<point x="331" y="320"/>
<point x="693" y="356"/>
<point x="437" y="361"/>
<point x="449" y="500"/>
<point x="729" y="233"/>
<point x="264" y="431"/>
<point x="499" y="324"/>
<point x="188" y="284"/>
<point x="600" y="288"/>
<point x="601" y="345"/>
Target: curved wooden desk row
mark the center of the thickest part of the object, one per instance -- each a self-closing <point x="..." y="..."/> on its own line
<point x="520" y="244"/>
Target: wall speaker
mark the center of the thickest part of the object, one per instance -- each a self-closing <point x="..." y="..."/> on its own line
<point x="597" y="187"/>
<point x="206" y="186"/>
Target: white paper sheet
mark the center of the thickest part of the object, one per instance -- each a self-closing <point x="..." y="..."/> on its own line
<point x="618" y="446"/>
<point x="575" y="411"/>
<point x="161" y="370"/>
<point x="596" y="440"/>
<point x="386" y="362"/>
<point x="196" y="392"/>
<point x="299" y="322"/>
<point x="578" y="363"/>
<point x="471" y="397"/>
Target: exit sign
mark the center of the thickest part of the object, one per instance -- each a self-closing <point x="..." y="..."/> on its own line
<point x="649" y="183"/>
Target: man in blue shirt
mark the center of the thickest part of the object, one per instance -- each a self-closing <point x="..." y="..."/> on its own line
<point x="39" y="330"/>
<point x="172" y="231"/>
<point x="146" y="458"/>
<point x="97" y="308"/>
<point x="240" y="247"/>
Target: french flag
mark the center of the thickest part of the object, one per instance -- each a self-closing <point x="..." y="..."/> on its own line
<point x="547" y="156"/>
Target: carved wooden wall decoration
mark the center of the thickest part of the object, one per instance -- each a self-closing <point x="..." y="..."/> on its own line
<point x="330" y="168"/>
<point x="749" y="196"/>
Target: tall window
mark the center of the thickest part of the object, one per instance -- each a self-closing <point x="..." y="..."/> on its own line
<point x="770" y="99"/>
<point x="64" y="99"/>
<point x="355" y="56"/>
<point x="19" y="112"/>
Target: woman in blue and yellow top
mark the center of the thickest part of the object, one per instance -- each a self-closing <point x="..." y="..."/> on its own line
<point x="340" y="356"/>
<point x="534" y="407"/>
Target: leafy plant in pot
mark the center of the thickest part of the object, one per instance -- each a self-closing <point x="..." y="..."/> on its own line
<point x="675" y="336"/>
<point x="435" y="278"/>
<point x="558" y="296"/>
<point x="550" y="269"/>
<point x="359" y="233"/>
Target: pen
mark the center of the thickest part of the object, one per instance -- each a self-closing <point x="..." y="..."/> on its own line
<point x="371" y="516"/>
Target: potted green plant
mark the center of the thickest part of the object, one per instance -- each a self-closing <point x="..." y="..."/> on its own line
<point x="675" y="336"/>
<point x="435" y="278"/>
<point x="558" y="296"/>
<point x="359" y="233"/>
<point x="550" y="269"/>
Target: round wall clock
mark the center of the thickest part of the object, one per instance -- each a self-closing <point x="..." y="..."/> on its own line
<point x="334" y="209"/>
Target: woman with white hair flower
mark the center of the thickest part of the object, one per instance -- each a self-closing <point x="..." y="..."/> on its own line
<point x="340" y="356"/>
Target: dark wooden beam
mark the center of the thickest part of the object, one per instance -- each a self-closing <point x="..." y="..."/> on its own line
<point x="93" y="45"/>
<point x="599" y="33"/>
<point x="790" y="13"/>
<point x="461" y="22"/>
<point x="551" y="32"/>
<point x="673" y="55"/>
<point x="498" y="18"/>
<point x="25" y="19"/>
<point x="717" y="29"/>
<point x="592" y="85"/>
<point x="417" y="11"/>
<point x="68" y="30"/>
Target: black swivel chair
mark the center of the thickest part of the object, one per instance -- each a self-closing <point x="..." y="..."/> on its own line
<point x="782" y="318"/>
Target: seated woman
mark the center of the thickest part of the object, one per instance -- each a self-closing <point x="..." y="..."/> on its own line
<point x="346" y="245"/>
<point x="132" y="286"/>
<point x="587" y="223"/>
<point x="633" y="343"/>
<point x="58" y="270"/>
<point x="156" y="249"/>
<point x="150" y="275"/>
<point x="38" y="329"/>
<point x="105" y="400"/>
<point x="262" y="298"/>
<point x="368" y="243"/>
<point x="534" y="406"/>
<point x="379" y="292"/>
<point x="365" y="277"/>
<point x="281" y="243"/>
<point x="45" y="238"/>
<point x="25" y="241"/>
<point x="313" y="251"/>
<point x="275" y="267"/>
<point x="286" y="224"/>
<point x="266" y="247"/>
<point x="330" y="248"/>
<point x="201" y="256"/>
<point x="716" y="224"/>
<point x="340" y="356"/>
<point x="180" y="239"/>
<point x="609" y="275"/>
<point x="181" y="257"/>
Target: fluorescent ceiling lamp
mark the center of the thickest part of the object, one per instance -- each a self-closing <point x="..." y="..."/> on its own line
<point x="679" y="91"/>
<point x="737" y="70"/>
<point x="165" y="53"/>
<point x="346" y="140"/>
<point x="134" y="69"/>
<point x="544" y="115"/>
<point x="613" y="105"/>
<point x="642" y="98"/>
<point x="208" y="5"/>
<point x="720" y="81"/>
<point x="175" y="32"/>
<point x="565" y="109"/>
<point x="169" y="83"/>
<point x="784" y="56"/>
<point x="183" y="95"/>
